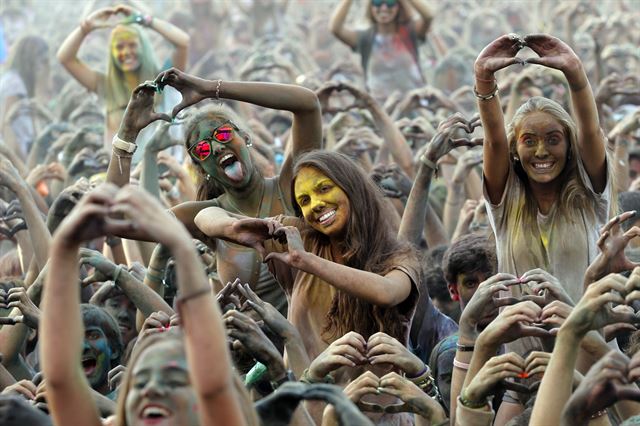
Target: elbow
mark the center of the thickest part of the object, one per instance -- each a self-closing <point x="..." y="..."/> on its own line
<point x="310" y="102"/>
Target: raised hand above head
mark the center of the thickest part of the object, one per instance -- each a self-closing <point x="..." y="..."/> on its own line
<point x="497" y="55"/>
<point x="443" y="141"/>
<point x="193" y="89"/>
<point x="139" y="113"/>
<point x="553" y="53"/>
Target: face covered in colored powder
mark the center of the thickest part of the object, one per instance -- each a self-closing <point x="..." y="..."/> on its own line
<point x="125" y="48"/>
<point x="124" y="312"/>
<point x="160" y="391"/>
<point x="222" y="152"/>
<point x="325" y="206"/>
<point x="96" y="356"/>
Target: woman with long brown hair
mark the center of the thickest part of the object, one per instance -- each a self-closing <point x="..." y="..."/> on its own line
<point x="338" y="261"/>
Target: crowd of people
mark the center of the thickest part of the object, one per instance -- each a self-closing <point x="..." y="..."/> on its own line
<point x="337" y="212"/>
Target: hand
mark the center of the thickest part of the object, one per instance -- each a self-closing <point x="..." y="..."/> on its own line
<point x="253" y="232"/>
<point x="465" y="164"/>
<point x="414" y="398"/>
<point x="554" y="53"/>
<point x="484" y="304"/>
<point x="629" y="124"/>
<point x="382" y="348"/>
<point x="325" y="92"/>
<point x="365" y="384"/>
<point x="18" y="298"/>
<point x="495" y="370"/>
<point x="145" y="216"/>
<point x="41" y="172"/>
<point x="554" y="314"/>
<point x="100" y="19"/>
<point x="161" y="139"/>
<point x="115" y="376"/>
<point x="88" y="219"/>
<point x="390" y="178"/>
<point x="175" y="169"/>
<point x="252" y="340"/>
<point x="594" y="311"/>
<point x="607" y="382"/>
<point x="193" y="89"/>
<point x="227" y="298"/>
<point x="9" y="176"/>
<point x="442" y="141"/>
<point x="24" y="388"/>
<point x="157" y="322"/>
<point x="104" y="269"/>
<point x="513" y="323"/>
<point x="268" y="313"/>
<point x="545" y="287"/>
<point x="139" y="113"/>
<point x="497" y="55"/>
<point x="347" y="351"/>
<point x="296" y="252"/>
<point x="613" y="331"/>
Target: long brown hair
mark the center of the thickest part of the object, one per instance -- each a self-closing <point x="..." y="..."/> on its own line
<point x="370" y="244"/>
<point x="26" y="54"/>
<point x="176" y="336"/>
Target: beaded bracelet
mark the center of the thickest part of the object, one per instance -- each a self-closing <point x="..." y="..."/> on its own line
<point x="471" y="404"/>
<point x="306" y="378"/>
<point x="487" y="96"/>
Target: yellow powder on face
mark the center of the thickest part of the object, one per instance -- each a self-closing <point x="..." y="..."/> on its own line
<point x="121" y="34"/>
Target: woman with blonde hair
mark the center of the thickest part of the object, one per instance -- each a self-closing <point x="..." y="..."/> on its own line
<point x="131" y="59"/>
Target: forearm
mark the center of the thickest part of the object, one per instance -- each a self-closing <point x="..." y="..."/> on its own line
<point x="216" y="222"/>
<point x="458" y="377"/>
<point x="38" y="231"/>
<point x="473" y="185"/>
<point x="339" y="16"/>
<point x="452" y="207"/>
<point x="373" y="288"/>
<point x="144" y="298"/>
<point x="424" y="11"/>
<point x="621" y="164"/>
<point x="175" y="36"/>
<point x="297" y="358"/>
<point x="12" y="339"/>
<point x="434" y="232"/>
<point x="149" y="175"/>
<point x="212" y="383"/>
<point x="392" y="136"/>
<point x="61" y="334"/>
<point x="68" y="51"/>
<point x="416" y="208"/>
<point x="556" y="386"/>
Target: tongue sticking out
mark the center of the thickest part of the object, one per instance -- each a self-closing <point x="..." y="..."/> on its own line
<point x="234" y="171"/>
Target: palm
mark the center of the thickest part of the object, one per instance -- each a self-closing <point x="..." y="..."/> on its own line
<point x="499" y="54"/>
<point x="552" y="52"/>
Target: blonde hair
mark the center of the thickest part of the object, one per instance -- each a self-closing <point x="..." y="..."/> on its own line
<point x="574" y="196"/>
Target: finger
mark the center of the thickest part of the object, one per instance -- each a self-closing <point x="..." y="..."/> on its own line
<point x="160" y="116"/>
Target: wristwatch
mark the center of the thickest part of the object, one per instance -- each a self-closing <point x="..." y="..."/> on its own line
<point x="124" y="145"/>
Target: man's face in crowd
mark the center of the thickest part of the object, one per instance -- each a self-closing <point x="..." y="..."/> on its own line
<point x="96" y="356"/>
<point x="124" y="312"/>
<point x="465" y="286"/>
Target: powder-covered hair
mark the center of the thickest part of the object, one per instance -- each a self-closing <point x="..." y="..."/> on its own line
<point x="370" y="244"/>
<point x="27" y="52"/>
<point x="117" y="91"/>
<point x="574" y="196"/>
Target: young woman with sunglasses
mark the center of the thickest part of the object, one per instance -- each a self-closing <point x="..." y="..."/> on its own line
<point x="220" y="146"/>
<point x="389" y="47"/>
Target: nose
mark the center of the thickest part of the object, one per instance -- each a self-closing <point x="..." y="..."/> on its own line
<point x="318" y="205"/>
<point x="541" y="150"/>
<point x="153" y="388"/>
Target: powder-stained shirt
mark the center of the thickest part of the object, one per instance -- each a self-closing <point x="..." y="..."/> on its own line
<point x="310" y="297"/>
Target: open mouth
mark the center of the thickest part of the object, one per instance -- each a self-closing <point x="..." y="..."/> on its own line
<point x="327" y="218"/>
<point x="231" y="167"/>
<point x="89" y="366"/>
<point x="543" y="166"/>
<point x="154" y="413"/>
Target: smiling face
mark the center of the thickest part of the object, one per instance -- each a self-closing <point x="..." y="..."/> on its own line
<point x="160" y="392"/>
<point x="542" y="147"/>
<point x="96" y="357"/>
<point x="325" y="206"/>
<point x="229" y="163"/>
<point x="125" y="48"/>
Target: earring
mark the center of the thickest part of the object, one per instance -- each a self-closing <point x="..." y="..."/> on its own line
<point x="208" y="178"/>
<point x="249" y="143"/>
<point x="516" y="158"/>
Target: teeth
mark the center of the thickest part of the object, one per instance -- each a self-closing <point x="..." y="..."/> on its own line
<point x="327" y="215"/>
<point x="155" y="411"/>
<point x="542" y="165"/>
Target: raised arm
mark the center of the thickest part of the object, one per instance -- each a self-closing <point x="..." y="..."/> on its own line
<point x="554" y="53"/>
<point x="199" y="313"/>
<point x="413" y="218"/>
<point x="425" y="16"/>
<point x="497" y="55"/>
<point x="68" y="52"/>
<point x="337" y="28"/>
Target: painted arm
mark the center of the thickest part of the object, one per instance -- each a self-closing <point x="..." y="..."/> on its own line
<point x="337" y="28"/>
<point x="554" y="53"/>
<point x="497" y="55"/>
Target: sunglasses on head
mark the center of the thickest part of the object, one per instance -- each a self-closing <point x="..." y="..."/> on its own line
<point x="222" y="134"/>
<point x="389" y="3"/>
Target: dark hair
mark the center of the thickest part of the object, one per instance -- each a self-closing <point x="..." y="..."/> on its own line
<point x="469" y="254"/>
<point x="26" y="52"/>
<point x="436" y="284"/>
<point x="97" y="317"/>
<point x="370" y="244"/>
<point x="629" y="200"/>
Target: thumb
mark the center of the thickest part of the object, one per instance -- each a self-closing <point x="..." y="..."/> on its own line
<point x="160" y="116"/>
<point x="182" y="105"/>
<point x="536" y="61"/>
<point x="275" y="256"/>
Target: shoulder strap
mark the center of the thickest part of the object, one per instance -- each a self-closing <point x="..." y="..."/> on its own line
<point x="365" y="42"/>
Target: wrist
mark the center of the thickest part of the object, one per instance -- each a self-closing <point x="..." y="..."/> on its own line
<point x="276" y="369"/>
<point x="128" y="135"/>
<point x="486" y="346"/>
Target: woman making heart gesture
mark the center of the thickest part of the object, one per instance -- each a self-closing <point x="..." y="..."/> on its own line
<point x="545" y="175"/>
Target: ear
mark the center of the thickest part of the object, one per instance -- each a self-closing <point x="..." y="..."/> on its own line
<point x="453" y="291"/>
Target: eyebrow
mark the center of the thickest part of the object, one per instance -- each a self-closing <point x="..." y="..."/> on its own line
<point x="168" y="368"/>
<point x="532" y="133"/>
